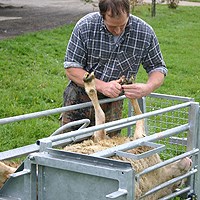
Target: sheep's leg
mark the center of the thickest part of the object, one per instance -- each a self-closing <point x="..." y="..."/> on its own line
<point x="140" y="125"/>
<point x="89" y="84"/>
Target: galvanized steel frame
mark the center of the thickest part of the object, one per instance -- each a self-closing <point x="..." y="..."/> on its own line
<point x="49" y="157"/>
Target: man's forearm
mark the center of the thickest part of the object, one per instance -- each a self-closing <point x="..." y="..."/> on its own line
<point x="155" y="80"/>
<point x="76" y="75"/>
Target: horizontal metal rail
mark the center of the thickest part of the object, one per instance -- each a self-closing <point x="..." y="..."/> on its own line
<point x="87" y="132"/>
<point x="130" y="120"/>
<point x="130" y="145"/>
<point x="170" y="97"/>
<point x="55" y="111"/>
<point x="18" y="152"/>
<point x="165" y="184"/>
<point x="82" y="105"/>
<point x="177" y="193"/>
<point x="25" y="150"/>
<point x="166" y="162"/>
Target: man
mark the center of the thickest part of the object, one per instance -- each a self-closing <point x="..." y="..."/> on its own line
<point x="111" y="43"/>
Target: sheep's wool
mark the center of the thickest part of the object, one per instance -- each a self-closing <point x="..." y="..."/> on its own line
<point x="147" y="181"/>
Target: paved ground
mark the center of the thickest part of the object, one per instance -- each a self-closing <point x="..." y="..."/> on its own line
<point x="21" y="16"/>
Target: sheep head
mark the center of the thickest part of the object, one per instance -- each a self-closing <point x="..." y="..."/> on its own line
<point x="176" y="169"/>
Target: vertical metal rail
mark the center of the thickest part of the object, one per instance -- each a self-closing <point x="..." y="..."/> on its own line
<point x="193" y="142"/>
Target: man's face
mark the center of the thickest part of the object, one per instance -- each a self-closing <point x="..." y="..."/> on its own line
<point x="116" y="25"/>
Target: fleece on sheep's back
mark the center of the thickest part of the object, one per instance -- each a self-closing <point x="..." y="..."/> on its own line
<point x="147" y="181"/>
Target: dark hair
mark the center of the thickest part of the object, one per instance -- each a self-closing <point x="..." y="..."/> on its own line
<point x="117" y="7"/>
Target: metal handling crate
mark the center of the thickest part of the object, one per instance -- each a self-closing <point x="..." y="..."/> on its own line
<point x="47" y="173"/>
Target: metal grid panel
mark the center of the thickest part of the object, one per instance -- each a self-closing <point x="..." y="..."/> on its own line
<point x="174" y="145"/>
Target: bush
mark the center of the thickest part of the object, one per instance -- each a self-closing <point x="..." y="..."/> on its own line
<point x="172" y="3"/>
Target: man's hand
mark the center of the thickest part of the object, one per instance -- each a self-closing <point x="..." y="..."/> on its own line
<point x="110" y="89"/>
<point x="136" y="90"/>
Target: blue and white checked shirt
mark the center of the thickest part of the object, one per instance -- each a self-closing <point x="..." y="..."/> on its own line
<point x="93" y="48"/>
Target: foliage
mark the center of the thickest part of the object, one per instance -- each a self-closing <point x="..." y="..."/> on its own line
<point x="172" y="3"/>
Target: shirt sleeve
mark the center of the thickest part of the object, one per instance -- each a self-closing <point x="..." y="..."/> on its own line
<point x="76" y="52"/>
<point x="154" y="59"/>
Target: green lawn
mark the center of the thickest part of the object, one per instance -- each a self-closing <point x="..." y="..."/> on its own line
<point x="32" y="77"/>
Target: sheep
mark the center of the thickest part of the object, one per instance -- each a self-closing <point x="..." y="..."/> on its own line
<point x="147" y="181"/>
<point x="140" y="130"/>
<point x="89" y="84"/>
<point x="5" y="172"/>
<point x="101" y="142"/>
<point x="90" y="88"/>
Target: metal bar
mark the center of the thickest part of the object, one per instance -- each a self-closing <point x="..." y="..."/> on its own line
<point x="85" y="123"/>
<point x="196" y="178"/>
<point x="130" y="145"/>
<point x="178" y="141"/>
<point x="155" y="149"/>
<point x="118" y="193"/>
<point x="166" y="162"/>
<point x="78" y="106"/>
<point x="21" y="151"/>
<point x="192" y="135"/>
<point x="171" y="97"/>
<point x="86" y="131"/>
<point x="55" y="111"/>
<point x="21" y="173"/>
<point x="165" y="184"/>
<point x="130" y="120"/>
<point x="175" y="194"/>
<point x="25" y="150"/>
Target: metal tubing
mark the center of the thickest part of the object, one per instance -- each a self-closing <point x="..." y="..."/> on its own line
<point x="165" y="184"/>
<point x="85" y="123"/>
<point x="17" y="152"/>
<point x="130" y="145"/>
<point x="166" y="162"/>
<point x="55" y="111"/>
<point x="175" y="194"/>
<point x="86" y="132"/>
<point x="171" y="97"/>
<point x="130" y="120"/>
<point x="72" y="107"/>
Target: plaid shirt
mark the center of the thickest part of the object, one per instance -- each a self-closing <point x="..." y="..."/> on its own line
<point x="93" y="48"/>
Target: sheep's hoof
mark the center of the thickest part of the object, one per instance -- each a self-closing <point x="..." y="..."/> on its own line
<point x="88" y="77"/>
<point x="126" y="81"/>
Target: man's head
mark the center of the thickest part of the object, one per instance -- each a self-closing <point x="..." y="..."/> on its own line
<point x="115" y="14"/>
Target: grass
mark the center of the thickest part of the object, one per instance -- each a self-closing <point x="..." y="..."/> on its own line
<point x="178" y="31"/>
<point x="192" y="0"/>
<point x="32" y="77"/>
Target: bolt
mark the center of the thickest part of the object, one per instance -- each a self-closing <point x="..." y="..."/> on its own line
<point x="31" y="157"/>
